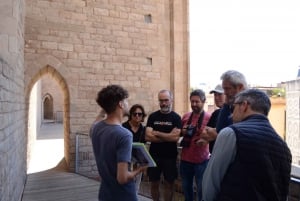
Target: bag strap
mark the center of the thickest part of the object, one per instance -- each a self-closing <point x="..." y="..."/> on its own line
<point x="190" y="119"/>
<point x="200" y="119"/>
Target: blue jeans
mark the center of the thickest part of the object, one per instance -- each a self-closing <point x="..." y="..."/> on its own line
<point x="189" y="171"/>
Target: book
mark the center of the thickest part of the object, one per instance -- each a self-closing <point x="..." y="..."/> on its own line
<point x="141" y="156"/>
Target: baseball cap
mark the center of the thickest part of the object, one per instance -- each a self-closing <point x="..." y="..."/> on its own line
<point x="218" y="90"/>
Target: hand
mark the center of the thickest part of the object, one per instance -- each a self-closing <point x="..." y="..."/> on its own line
<point x="142" y="168"/>
<point x="209" y="134"/>
<point x="155" y="133"/>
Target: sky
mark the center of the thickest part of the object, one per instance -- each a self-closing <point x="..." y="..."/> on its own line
<point x="259" y="38"/>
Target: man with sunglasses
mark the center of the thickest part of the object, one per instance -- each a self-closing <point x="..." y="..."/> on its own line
<point x="163" y="131"/>
<point x="250" y="161"/>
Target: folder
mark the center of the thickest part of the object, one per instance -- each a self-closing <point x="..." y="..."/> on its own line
<point x="141" y="156"/>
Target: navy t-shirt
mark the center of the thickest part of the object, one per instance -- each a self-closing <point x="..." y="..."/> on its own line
<point x="164" y="123"/>
<point x="112" y="144"/>
<point x="224" y="118"/>
<point x="212" y="123"/>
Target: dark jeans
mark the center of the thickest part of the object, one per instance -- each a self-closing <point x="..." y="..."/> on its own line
<point x="189" y="171"/>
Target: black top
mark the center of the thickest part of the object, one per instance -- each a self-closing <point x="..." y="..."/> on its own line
<point x="138" y="136"/>
<point x="164" y="123"/>
<point x="212" y="123"/>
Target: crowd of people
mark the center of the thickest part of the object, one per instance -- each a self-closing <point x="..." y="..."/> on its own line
<point x="233" y="154"/>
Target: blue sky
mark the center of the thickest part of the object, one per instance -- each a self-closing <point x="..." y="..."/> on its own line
<point x="260" y="38"/>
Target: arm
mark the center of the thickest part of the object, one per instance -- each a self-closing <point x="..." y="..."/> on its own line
<point x="223" y="155"/>
<point x="209" y="134"/>
<point x="150" y="136"/>
<point x="173" y="136"/>
<point x="124" y="176"/>
<point x="157" y="136"/>
<point x="123" y="152"/>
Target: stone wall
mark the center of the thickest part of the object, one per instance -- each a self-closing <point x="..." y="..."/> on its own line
<point x="293" y="134"/>
<point x="88" y="44"/>
<point x="293" y="119"/>
<point x="12" y="103"/>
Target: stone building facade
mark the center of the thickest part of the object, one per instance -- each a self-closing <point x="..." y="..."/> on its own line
<point x="293" y="134"/>
<point x="83" y="45"/>
<point x="293" y="119"/>
<point x="12" y="103"/>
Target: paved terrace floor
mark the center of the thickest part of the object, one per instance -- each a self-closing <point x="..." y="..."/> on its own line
<point x="59" y="185"/>
<point x="47" y="178"/>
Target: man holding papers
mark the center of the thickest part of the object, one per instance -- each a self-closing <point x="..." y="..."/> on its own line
<point x="112" y="145"/>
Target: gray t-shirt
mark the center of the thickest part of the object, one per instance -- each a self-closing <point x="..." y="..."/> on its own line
<point x="112" y="144"/>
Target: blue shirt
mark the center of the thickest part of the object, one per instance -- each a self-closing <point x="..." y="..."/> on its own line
<point x="224" y="118"/>
<point x="112" y="144"/>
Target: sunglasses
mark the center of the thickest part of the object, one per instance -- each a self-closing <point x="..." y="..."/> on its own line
<point x="137" y="113"/>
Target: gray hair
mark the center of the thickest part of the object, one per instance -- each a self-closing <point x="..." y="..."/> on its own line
<point x="165" y="90"/>
<point x="257" y="99"/>
<point x="235" y="78"/>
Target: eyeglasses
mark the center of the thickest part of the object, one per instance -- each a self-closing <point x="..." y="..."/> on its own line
<point x="137" y="113"/>
<point x="238" y="103"/>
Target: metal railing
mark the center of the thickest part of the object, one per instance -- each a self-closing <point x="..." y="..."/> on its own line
<point x="294" y="190"/>
<point x="85" y="163"/>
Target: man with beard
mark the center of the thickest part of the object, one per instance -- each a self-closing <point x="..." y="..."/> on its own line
<point x="163" y="131"/>
<point x="194" y="155"/>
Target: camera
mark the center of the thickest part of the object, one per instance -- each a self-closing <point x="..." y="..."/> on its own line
<point x="187" y="138"/>
<point x="190" y="130"/>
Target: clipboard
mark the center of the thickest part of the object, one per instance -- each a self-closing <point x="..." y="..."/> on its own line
<point x="141" y="156"/>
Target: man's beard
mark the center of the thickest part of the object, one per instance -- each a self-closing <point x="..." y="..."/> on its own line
<point x="196" y="110"/>
<point x="165" y="109"/>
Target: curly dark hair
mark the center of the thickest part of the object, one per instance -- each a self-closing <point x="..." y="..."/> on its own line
<point x="109" y="97"/>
